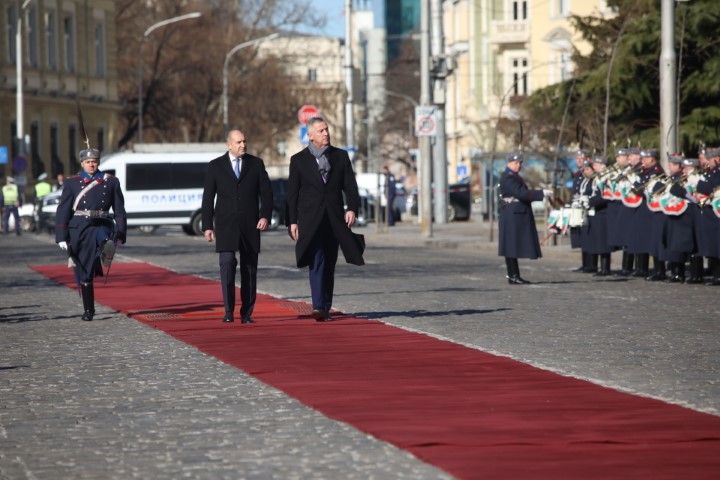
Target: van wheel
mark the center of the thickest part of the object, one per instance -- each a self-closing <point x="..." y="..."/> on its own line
<point x="196" y="224"/>
<point x="148" y="229"/>
<point x="274" y="220"/>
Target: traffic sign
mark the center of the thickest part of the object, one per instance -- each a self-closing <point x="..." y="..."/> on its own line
<point x="3" y="155"/>
<point x="19" y="164"/>
<point x="303" y="135"/>
<point x="307" y="112"/>
<point x="425" y="122"/>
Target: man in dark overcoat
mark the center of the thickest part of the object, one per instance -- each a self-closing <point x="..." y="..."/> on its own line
<point x="236" y="205"/>
<point x="84" y="226"/>
<point x="709" y="222"/>
<point x="317" y="221"/>
<point x="518" y="233"/>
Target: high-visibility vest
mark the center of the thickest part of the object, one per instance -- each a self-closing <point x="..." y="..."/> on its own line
<point x="42" y="189"/>
<point x="10" y="194"/>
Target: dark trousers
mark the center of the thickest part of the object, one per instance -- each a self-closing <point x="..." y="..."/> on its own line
<point x="324" y="249"/>
<point x="11" y="210"/>
<point x="248" y="280"/>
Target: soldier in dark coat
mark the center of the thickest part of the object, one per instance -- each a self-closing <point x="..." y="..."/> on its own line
<point x="238" y="181"/>
<point x="641" y="242"/>
<point x="577" y="180"/>
<point x="593" y="236"/>
<point x="616" y="211"/>
<point x="317" y="221"/>
<point x="709" y="222"/>
<point x="518" y="232"/>
<point x="84" y="226"/>
<point x="684" y="230"/>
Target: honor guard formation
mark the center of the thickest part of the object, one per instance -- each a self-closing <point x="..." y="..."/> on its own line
<point x="635" y="207"/>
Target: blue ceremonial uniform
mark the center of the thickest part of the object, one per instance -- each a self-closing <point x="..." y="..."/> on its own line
<point x="86" y="227"/>
<point x="518" y="232"/>
<point x="709" y="243"/>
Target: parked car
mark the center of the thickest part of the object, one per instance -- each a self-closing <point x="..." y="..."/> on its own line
<point x="279" y="188"/>
<point x="46" y="212"/>
<point x="459" y="201"/>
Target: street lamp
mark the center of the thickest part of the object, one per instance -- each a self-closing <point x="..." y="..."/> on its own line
<point x="225" y="72"/>
<point x="19" y="79"/>
<point x="140" y="63"/>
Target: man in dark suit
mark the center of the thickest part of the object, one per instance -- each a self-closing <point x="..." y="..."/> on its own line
<point x="319" y="175"/>
<point x="239" y="181"/>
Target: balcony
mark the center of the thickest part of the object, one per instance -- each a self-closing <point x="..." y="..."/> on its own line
<point x="510" y="31"/>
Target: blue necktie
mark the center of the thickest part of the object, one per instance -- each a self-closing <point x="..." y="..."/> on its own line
<point x="237" y="168"/>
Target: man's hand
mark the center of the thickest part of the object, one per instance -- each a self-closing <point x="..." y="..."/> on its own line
<point x="62" y="245"/>
<point x="350" y="218"/>
<point x="293" y="231"/>
<point x="263" y="224"/>
<point x="209" y="235"/>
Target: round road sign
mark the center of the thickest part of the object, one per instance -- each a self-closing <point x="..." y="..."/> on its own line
<point x="307" y="112"/>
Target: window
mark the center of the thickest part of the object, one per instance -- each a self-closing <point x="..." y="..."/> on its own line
<point x="55" y="163"/>
<point x="99" y="50"/>
<point x="563" y="7"/>
<point x="32" y="36"/>
<point x="519" y="9"/>
<point x="312" y="75"/>
<point x="69" y="42"/>
<point x="72" y="149"/>
<point x="165" y="176"/>
<point x="11" y="25"/>
<point x="519" y="71"/>
<point x="51" y="40"/>
<point x="564" y="65"/>
<point x="101" y="139"/>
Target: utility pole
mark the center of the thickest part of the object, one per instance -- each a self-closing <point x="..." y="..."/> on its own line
<point x="425" y="191"/>
<point x="349" y="113"/>
<point x="668" y="74"/>
<point x="439" y="74"/>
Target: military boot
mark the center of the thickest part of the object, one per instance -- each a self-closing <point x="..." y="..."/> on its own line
<point x="88" y="298"/>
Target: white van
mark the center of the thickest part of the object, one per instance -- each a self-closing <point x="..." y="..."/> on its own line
<point x="163" y="187"/>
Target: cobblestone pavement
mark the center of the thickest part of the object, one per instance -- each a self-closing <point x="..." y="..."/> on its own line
<point x="116" y="399"/>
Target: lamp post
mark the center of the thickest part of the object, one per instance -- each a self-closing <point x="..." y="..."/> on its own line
<point x="140" y="63"/>
<point x="19" y="79"/>
<point x="225" y="72"/>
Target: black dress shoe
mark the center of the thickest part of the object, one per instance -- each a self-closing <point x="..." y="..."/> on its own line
<point x="603" y="273"/>
<point x="247" y="320"/>
<point x="580" y="269"/>
<point x="88" y="315"/>
<point x="656" y="277"/>
<point x="623" y="273"/>
<point x="675" y="279"/>
<point x="318" y="315"/>
<point x="228" y="318"/>
<point x="517" y="280"/>
<point x="713" y="282"/>
<point x="640" y="273"/>
<point x="694" y="280"/>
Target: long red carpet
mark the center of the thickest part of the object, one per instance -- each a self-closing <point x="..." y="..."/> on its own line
<point x="470" y="413"/>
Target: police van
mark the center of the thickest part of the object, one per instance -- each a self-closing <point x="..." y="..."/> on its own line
<point x="163" y="183"/>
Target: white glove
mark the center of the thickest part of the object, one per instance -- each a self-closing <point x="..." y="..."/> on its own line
<point x="548" y="193"/>
<point x="62" y="245"/>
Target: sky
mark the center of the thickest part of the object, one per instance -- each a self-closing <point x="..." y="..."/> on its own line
<point x="334" y="10"/>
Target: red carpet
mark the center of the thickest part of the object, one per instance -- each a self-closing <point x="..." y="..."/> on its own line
<point x="470" y="413"/>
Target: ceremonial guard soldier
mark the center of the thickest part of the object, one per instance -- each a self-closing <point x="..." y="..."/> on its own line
<point x="518" y="233"/>
<point x="594" y="236"/>
<point x="84" y="226"/>
<point x="640" y="242"/>
<point x="617" y="213"/>
<point x="709" y="244"/>
<point x="682" y="211"/>
<point x="658" y="201"/>
<point x="577" y="180"/>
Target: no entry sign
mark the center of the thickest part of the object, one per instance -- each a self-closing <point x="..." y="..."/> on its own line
<point x="307" y="112"/>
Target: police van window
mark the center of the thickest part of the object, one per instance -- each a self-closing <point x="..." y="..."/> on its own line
<point x="188" y="175"/>
<point x="150" y="176"/>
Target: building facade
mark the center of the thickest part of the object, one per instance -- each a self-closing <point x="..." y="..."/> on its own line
<point x="68" y="55"/>
<point x="503" y="49"/>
